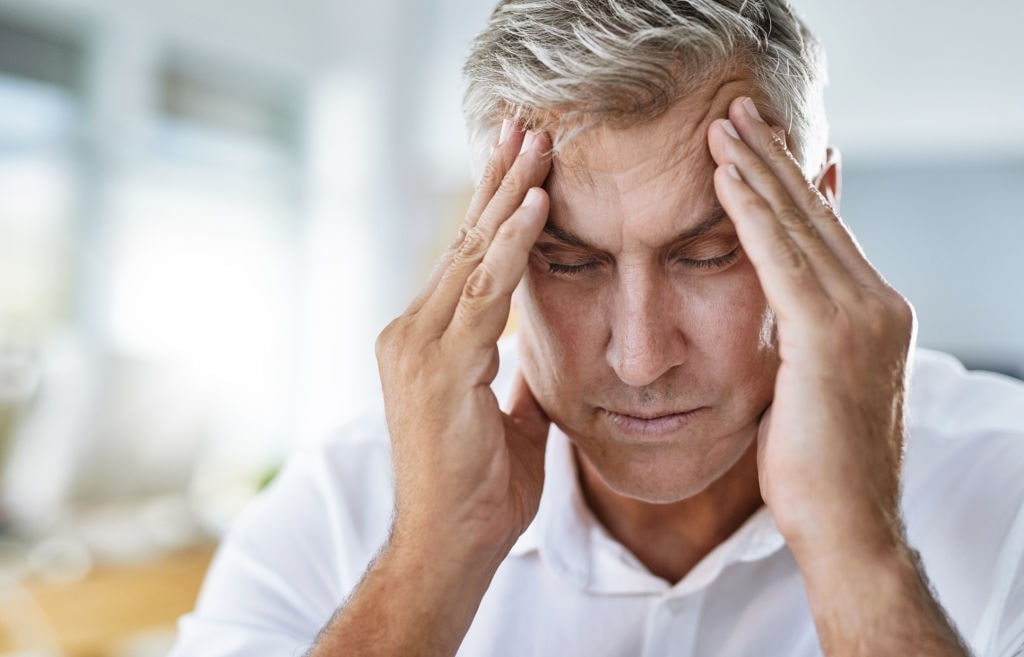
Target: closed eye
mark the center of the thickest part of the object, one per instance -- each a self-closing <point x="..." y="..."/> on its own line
<point x="566" y="261"/>
<point x="712" y="263"/>
<point x="570" y="270"/>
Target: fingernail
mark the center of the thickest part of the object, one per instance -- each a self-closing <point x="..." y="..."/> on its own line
<point x="751" y="108"/>
<point x="527" y="141"/>
<point x="734" y="172"/>
<point x="730" y="128"/>
<point x="532" y="197"/>
<point x="506" y="130"/>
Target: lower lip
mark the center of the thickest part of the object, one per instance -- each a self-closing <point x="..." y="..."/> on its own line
<point x="653" y="427"/>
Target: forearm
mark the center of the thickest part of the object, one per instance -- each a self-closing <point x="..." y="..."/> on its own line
<point x="880" y="606"/>
<point x="410" y="603"/>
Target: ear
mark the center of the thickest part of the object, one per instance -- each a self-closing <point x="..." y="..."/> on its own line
<point x="829" y="181"/>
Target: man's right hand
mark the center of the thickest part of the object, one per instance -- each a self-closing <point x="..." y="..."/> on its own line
<point x="468" y="477"/>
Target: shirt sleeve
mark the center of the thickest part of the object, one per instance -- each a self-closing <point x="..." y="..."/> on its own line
<point x="288" y="562"/>
<point x="1006" y="613"/>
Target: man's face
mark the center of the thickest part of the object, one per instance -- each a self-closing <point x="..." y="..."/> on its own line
<point x="645" y="335"/>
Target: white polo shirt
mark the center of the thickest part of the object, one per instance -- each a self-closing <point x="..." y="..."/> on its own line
<point x="568" y="588"/>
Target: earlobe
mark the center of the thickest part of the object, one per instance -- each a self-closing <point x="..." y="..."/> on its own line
<point x="829" y="181"/>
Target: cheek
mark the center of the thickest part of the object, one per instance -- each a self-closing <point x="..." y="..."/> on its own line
<point x="562" y="320"/>
<point x="722" y="318"/>
<point x="733" y="308"/>
<point x="560" y="343"/>
<point x="737" y="332"/>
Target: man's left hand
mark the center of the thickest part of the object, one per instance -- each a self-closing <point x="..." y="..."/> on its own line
<point x="830" y="445"/>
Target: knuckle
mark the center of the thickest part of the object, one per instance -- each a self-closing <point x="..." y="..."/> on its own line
<point x="904" y="312"/>
<point x="473" y="247"/>
<point x="881" y="316"/>
<point x="386" y="343"/>
<point x="879" y="324"/>
<point x="459" y="238"/>
<point x="492" y="174"/>
<point x="776" y="148"/>
<point x="754" y="205"/>
<point x="480" y="285"/>
<point x="759" y="168"/>
<point x="468" y="313"/>
<point x="788" y="256"/>
<point x="793" y="219"/>
<point x="841" y="327"/>
<point x="511" y="183"/>
<point x="816" y="199"/>
<point x="509" y="232"/>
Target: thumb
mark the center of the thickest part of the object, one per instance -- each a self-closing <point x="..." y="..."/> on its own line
<point x="762" y="448"/>
<point x="525" y="413"/>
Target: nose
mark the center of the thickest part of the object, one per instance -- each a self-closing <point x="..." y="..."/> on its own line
<point x="647" y="338"/>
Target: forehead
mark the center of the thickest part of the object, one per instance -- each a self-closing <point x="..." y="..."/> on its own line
<point x="644" y="182"/>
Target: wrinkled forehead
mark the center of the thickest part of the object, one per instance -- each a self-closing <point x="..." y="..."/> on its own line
<point x="658" y="168"/>
<point x="680" y="129"/>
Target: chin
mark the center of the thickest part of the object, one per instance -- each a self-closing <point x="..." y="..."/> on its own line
<point x="662" y="474"/>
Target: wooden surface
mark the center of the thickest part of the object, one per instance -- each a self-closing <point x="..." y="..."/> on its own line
<point x="107" y="609"/>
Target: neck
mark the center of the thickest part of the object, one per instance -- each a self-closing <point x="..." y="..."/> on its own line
<point x="670" y="539"/>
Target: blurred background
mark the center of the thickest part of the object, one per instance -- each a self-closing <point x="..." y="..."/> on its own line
<point x="209" y="208"/>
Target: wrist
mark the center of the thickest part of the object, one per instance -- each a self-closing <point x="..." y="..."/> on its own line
<point x="845" y="540"/>
<point x="451" y="552"/>
<point x="853" y="564"/>
<point x="877" y="602"/>
<point x="410" y="601"/>
<point x="430" y="589"/>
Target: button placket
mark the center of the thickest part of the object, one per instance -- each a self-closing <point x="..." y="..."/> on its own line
<point x="672" y="625"/>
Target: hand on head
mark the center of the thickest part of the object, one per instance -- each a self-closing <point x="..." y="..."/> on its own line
<point x="467" y="476"/>
<point x="830" y="446"/>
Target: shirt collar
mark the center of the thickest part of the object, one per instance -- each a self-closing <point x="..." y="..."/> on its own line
<point x="571" y="541"/>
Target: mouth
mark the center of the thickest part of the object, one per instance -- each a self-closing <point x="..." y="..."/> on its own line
<point x="650" y="424"/>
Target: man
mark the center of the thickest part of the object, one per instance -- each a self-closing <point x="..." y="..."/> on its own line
<point x="702" y="449"/>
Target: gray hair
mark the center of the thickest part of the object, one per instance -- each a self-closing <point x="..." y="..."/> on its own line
<point x="561" y="65"/>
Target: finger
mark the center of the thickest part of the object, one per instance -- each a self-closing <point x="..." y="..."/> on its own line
<point x="727" y="148"/>
<point x="510" y="140"/>
<point x="530" y="170"/>
<point x="524" y="411"/>
<point x="830" y="227"/>
<point x="763" y="426"/>
<point x="789" y="282"/>
<point x="483" y="307"/>
<point x="526" y="427"/>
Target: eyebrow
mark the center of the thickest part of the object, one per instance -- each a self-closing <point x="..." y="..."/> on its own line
<point x="713" y="219"/>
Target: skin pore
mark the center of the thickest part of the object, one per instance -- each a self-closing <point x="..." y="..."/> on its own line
<point x="644" y="334"/>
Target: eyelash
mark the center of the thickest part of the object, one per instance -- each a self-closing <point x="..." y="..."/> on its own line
<point x="570" y="270"/>
<point x="713" y="263"/>
<point x="708" y="263"/>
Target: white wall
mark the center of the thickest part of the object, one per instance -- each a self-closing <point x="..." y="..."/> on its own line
<point x="918" y="79"/>
<point x="950" y="237"/>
